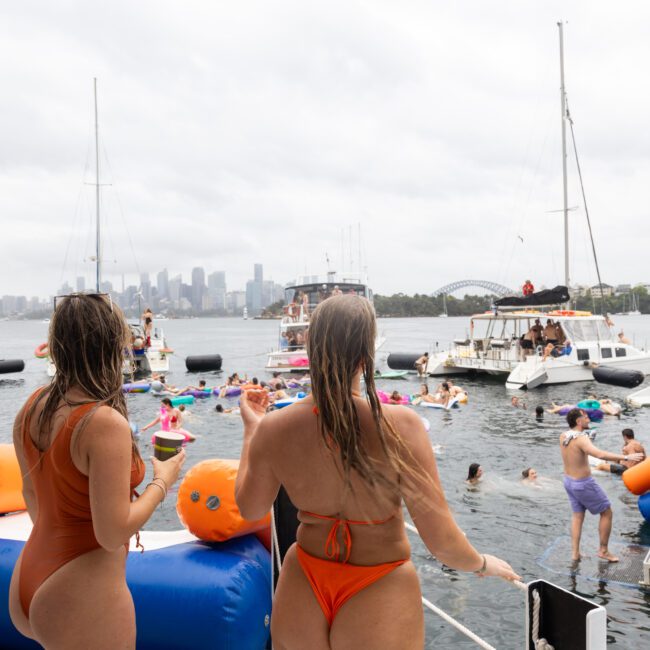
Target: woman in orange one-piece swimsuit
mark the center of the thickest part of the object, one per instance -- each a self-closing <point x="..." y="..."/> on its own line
<point x="80" y="469"/>
<point x="347" y="464"/>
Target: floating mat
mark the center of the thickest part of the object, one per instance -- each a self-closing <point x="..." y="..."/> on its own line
<point x="628" y="571"/>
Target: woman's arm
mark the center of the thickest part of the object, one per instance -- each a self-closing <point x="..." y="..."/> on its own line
<point x="28" y="489"/>
<point x="106" y="442"/>
<point x="427" y="505"/>
<point x="256" y="486"/>
<point x="151" y="424"/>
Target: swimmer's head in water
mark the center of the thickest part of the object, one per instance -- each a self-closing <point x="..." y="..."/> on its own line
<point x="202" y="383"/>
<point x="529" y="473"/>
<point x="87" y="337"/>
<point x="514" y="401"/>
<point x="340" y="343"/>
<point x="218" y="408"/>
<point x="474" y="471"/>
<point x="539" y="411"/>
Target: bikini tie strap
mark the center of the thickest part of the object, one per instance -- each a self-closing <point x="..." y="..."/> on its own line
<point x="332" y="546"/>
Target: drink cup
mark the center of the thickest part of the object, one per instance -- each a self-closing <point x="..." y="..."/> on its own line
<point x="167" y="444"/>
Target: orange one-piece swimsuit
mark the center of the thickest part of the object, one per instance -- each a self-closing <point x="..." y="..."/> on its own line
<point x="63" y="529"/>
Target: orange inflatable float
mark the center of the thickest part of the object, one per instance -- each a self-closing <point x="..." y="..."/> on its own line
<point x="637" y="478"/>
<point x="206" y="503"/>
<point x="11" y="481"/>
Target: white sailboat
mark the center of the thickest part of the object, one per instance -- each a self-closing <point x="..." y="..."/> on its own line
<point x="494" y="344"/>
<point x="144" y="359"/>
<point x="444" y="307"/>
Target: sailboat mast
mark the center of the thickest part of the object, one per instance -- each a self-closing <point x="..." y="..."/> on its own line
<point x="564" y="171"/>
<point x="98" y="246"/>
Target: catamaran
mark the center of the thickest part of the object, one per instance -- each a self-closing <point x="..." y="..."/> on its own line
<point x="301" y="298"/>
<point x="497" y="345"/>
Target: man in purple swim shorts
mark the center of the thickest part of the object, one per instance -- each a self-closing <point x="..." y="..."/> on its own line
<point x="583" y="491"/>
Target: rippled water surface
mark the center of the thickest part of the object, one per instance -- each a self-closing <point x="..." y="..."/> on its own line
<point x="502" y="516"/>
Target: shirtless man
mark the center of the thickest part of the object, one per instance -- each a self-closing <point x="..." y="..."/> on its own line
<point x="421" y="364"/>
<point x="630" y="446"/>
<point x="277" y="383"/>
<point x="583" y="491"/>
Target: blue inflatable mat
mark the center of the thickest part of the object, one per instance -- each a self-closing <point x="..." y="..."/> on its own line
<point x="191" y="595"/>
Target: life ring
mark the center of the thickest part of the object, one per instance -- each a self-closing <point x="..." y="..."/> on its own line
<point x="42" y="351"/>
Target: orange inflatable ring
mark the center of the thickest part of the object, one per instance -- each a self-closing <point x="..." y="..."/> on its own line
<point x="206" y="503"/>
<point x="11" y="481"/>
<point x="166" y="350"/>
<point x="637" y="478"/>
<point x="41" y="351"/>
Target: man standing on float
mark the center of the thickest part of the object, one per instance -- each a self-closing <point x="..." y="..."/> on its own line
<point x="583" y="491"/>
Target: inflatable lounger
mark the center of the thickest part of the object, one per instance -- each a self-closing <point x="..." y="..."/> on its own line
<point x="218" y="595"/>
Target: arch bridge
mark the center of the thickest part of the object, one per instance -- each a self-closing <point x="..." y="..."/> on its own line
<point x="493" y="287"/>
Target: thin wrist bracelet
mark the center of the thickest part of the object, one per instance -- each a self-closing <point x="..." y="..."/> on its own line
<point x="481" y="571"/>
<point x="158" y="478"/>
<point x="161" y="488"/>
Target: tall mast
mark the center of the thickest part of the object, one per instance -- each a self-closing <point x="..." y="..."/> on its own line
<point x="98" y="245"/>
<point x="564" y="173"/>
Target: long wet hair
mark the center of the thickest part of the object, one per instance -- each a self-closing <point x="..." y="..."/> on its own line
<point x="87" y="337"/>
<point x="341" y="339"/>
<point x="473" y="471"/>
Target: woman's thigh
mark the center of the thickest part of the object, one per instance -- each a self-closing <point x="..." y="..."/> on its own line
<point x="85" y="605"/>
<point x="18" y="618"/>
<point x="388" y="614"/>
<point x="298" y="620"/>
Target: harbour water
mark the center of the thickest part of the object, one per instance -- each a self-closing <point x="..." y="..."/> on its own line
<point x="502" y="516"/>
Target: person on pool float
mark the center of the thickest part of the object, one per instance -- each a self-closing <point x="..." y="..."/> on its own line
<point x="456" y="391"/>
<point x="170" y="419"/>
<point x="348" y="464"/>
<point x="630" y="446"/>
<point x="424" y="396"/>
<point x="474" y="474"/>
<point x="581" y="488"/>
<point x="68" y="588"/>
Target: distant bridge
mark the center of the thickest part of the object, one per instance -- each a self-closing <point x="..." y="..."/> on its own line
<point x="492" y="287"/>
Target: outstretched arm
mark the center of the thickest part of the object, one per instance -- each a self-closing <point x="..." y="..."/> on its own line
<point x="427" y="505"/>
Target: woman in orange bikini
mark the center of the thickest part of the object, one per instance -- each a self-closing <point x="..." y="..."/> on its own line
<point x="80" y="468"/>
<point x="347" y="465"/>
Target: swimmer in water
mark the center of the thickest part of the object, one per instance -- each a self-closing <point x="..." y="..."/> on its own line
<point x="474" y="474"/>
<point x="539" y="412"/>
<point x="529" y="476"/>
<point x="517" y="403"/>
<point x="224" y="411"/>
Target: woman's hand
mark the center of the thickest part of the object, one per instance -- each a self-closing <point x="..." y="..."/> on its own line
<point x="168" y="470"/>
<point x="498" y="568"/>
<point x="252" y="407"/>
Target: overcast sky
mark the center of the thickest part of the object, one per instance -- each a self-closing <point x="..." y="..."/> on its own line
<point x="235" y="133"/>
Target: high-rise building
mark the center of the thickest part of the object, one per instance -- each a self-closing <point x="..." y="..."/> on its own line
<point x="216" y="291"/>
<point x="175" y="290"/>
<point x="198" y="287"/>
<point x="81" y="284"/>
<point x="64" y="290"/>
<point x="162" y="281"/>
<point x="259" y="273"/>
<point x="106" y="286"/>
<point x="145" y="289"/>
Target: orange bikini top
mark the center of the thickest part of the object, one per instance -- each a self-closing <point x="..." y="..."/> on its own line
<point x="332" y="546"/>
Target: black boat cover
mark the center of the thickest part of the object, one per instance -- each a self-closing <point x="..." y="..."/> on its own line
<point x="555" y="296"/>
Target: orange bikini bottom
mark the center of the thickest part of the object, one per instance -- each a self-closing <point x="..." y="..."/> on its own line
<point x="334" y="583"/>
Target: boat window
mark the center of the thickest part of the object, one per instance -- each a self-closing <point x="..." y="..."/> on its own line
<point x="289" y="295"/>
<point x="589" y="330"/>
<point x="606" y="353"/>
<point x="571" y="332"/>
<point x="583" y="354"/>
<point x="621" y="352"/>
